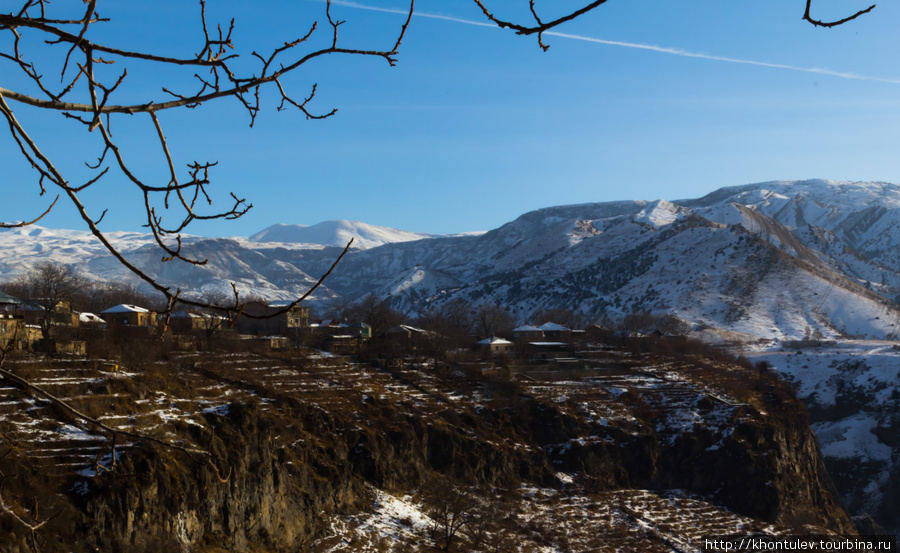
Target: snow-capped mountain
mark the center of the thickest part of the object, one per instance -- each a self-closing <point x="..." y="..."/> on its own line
<point x="249" y="262"/>
<point x="337" y="233"/>
<point x="851" y="226"/>
<point x="772" y="260"/>
<point x="713" y="261"/>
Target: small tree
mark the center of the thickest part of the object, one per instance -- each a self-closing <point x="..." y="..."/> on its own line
<point x="451" y="510"/>
<point x="47" y="288"/>
<point x="376" y="313"/>
<point x="480" y="519"/>
<point x="451" y="321"/>
<point x="493" y="320"/>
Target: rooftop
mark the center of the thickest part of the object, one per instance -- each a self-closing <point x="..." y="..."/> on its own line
<point x="9" y="300"/>
<point x="551" y="327"/>
<point x="125" y="308"/>
<point x="493" y="340"/>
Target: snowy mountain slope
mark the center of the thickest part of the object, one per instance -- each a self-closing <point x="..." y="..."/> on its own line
<point x="337" y="233"/>
<point x="272" y="273"/>
<point x="417" y="285"/>
<point x="850" y="389"/>
<point x="770" y="260"/>
<point x="254" y="269"/>
<point x="24" y="247"/>
<point x="852" y="225"/>
<point x="656" y="257"/>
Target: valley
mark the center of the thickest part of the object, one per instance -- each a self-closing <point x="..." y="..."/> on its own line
<point x="802" y="276"/>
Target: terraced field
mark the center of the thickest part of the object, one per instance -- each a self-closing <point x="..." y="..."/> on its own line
<point x="164" y="402"/>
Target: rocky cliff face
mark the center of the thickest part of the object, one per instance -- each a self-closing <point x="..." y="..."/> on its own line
<point x="294" y="444"/>
<point x="271" y="500"/>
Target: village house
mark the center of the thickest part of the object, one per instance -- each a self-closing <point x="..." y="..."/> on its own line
<point x="62" y="314"/>
<point x="28" y="321"/>
<point x="337" y="337"/>
<point x="600" y="333"/>
<point x="90" y="320"/>
<point x="261" y="319"/>
<point x="545" y="351"/>
<point x="342" y="344"/>
<point x="405" y="336"/>
<point x="328" y="327"/>
<point x="127" y="315"/>
<point x="360" y="330"/>
<point x="556" y="332"/>
<point x="9" y="304"/>
<point x="12" y="322"/>
<point x="405" y="332"/>
<point x="331" y="327"/>
<point x="495" y="346"/>
<point x="184" y="321"/>
<point x="528" y="333"/>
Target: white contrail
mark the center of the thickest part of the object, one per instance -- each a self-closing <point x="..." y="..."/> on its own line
<point x="688" y="54"/>
<point x="650" y="47"/>
<point x="348" y="4"/>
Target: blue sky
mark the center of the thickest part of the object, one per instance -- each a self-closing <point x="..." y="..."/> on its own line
<point x="642" y="99"/>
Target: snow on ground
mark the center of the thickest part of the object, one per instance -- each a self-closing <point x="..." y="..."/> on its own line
<point x="548" y="521"/>
<point x="868" y="365"/>
<point x="544" y="520"/>
<point x="852" y="437"/>
<point x="852" y="389"/>
<point x="390" y="522"/>
<point x="659" y="213"/>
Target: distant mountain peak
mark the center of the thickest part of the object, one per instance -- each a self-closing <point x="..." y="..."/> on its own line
<point x="337" y="233"/>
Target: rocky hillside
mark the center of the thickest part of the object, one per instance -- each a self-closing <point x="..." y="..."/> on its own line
<point x="772" y="260"/>
<point x="851" y="391"/>
<point x="309" y="454"/>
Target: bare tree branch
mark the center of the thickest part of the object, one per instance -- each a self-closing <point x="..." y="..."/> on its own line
<point x="819" y="23"/>
<point x="33" y="221"/>
<point x="32" y="527"/>
<point x="540" y="26"/>
<point x="78" y="415"/>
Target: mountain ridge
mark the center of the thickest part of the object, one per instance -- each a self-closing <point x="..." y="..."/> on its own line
<point x="768" y="259"/>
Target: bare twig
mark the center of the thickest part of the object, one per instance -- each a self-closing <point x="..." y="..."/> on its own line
<point x="33" y="221"/>
<point x="32" y="527"/>
<point x="88" y="97"/>
<point x="819" y="23"/>
<point x="540" y="26"/>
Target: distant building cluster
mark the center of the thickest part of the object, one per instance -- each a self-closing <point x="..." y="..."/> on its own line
<point x="25" y="324"/>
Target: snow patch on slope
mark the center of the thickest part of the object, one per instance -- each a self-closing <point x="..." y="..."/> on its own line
<point x="659" y="213"/>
